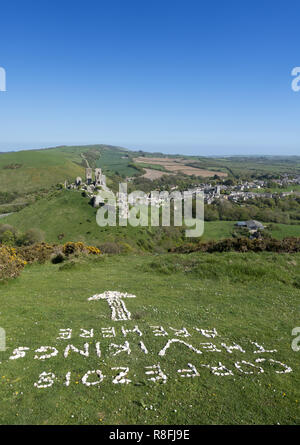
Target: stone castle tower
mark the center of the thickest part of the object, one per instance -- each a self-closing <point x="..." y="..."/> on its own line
<point x="88" y="175"/>
<point x="100" y="179"/>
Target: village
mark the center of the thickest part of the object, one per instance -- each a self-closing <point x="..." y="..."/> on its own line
<point x="211" y="192"/>
<point x="242" y="191"/>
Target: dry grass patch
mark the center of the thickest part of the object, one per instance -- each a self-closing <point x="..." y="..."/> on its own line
<point x="175" y="166"/>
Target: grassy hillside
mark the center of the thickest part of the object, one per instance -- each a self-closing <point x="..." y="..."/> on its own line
<point x="67" y="216"/>
<point x="26" y="171"/>
<point x="235" y="294"/>
<point x="30" y="170"/>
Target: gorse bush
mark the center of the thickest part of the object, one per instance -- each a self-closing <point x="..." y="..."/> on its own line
<point x="71" y="248"/>
<point x="13" y="259"/>
<point x="43" y="251"/>
<point x="37" y="253"/>
<point x="11" y="264"/>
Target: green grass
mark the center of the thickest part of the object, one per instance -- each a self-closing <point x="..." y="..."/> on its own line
<point x="160" y="168"/>
<point x="38" y="169"/>
<point x="67" y="213"/>
<point x="245" y="297"/>
<point x="216" y="230"/>
<point x="280" y="231"/>
<point x="116" y="162"/>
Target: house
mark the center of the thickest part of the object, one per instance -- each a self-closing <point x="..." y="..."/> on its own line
<point x="252" y="225"/>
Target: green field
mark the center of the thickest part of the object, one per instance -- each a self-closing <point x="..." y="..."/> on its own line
<point x="116" y="162"/>
<point x="216" y="230"/>
<point x="244" y="297"/>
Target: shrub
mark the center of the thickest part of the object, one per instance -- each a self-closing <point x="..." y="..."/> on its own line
<point x="37" y="252"/>
<point x="8" y="238"/>
<point x="70" y="265"/>
<point x="110" y="248"/>
<point x="5" y="228"/>
<point x="11" y="264"/>
<point x="71" y="248"/>
<point x="32" y="236"/>
<point x="59" y="258"/>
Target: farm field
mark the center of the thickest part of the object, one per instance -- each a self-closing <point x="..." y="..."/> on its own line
<point x="231" y="297"/>
<point x="116" y="162"/>
<point x="154" y="174"/>
<point x="178" y="165"/>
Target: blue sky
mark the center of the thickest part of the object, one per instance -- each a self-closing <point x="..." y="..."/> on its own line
<point x="194" y="77"/>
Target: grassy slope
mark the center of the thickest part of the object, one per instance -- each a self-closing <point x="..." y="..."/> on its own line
<point x="39" y="169"/>
<point x="244" y="296"/>
<point x="69" y="213"/>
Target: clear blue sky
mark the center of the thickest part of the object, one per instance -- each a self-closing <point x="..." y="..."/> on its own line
<point x="194" y="77"/>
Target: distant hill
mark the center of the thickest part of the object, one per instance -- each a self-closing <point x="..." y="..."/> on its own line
<point x="31" y="170"/>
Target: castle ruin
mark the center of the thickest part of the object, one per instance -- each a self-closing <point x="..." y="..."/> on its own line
<point x="100" y="179"/>
<point x="91" y="187"/>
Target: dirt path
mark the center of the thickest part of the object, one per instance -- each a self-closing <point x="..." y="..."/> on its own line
<point x="84" y="158"/>
<point x="5" y="214"/>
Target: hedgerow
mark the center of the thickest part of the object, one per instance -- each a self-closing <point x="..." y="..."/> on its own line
<point x="287" y="245"/>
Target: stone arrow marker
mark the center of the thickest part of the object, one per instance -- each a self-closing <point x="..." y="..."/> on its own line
<point x="115" y="300"/>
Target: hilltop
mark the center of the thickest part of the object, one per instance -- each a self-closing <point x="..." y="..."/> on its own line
<point x="32" y="170"/>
